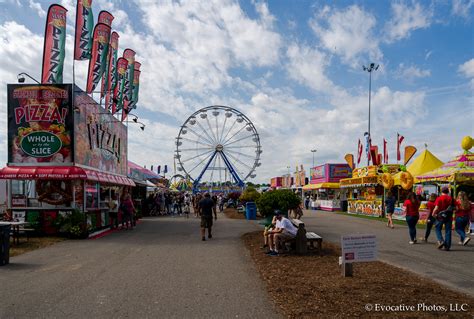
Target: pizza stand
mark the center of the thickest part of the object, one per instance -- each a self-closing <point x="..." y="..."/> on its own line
<point x="62" y="156"/>
<point x="324" y="186"/>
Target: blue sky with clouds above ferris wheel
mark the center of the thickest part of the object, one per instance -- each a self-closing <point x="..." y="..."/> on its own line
<point x="293" y="67"/>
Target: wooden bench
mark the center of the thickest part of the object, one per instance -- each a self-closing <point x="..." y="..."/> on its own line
<point x="303" y="238"/>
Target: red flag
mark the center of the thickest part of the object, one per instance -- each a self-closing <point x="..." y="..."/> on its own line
<point x="54" y="45"/>
<point x="84" y="26"/>
<point x="97" y="63"/>
<point x="359" y="152"/>
<point x="385" y="152"/>
<point x="399" y="143"/>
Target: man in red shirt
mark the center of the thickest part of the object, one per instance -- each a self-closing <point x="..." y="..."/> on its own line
<point x="442" y="203"/>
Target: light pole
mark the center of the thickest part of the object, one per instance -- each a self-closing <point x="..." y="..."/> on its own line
<point x="21" y="77"/>
<point x="370" y="68"/>
<point x="313" y="151"/>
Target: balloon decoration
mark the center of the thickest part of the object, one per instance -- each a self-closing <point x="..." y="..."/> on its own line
<point x="406" y="180"/>
<point x="467" y="143"/>
<point x="387" y="180"/>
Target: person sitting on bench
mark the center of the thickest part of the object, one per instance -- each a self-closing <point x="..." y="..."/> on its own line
<point x="284" y="230"/>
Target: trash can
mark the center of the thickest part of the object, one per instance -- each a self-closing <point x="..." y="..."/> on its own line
<point x="4" y="244"/>
<point x="250" y="210"/>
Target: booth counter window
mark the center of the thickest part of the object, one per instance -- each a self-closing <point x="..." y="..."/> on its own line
<point x="92" y="196"/>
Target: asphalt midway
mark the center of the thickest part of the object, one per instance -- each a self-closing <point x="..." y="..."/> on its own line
<point x="161" y="269"/>
<point x="452" y="268"/>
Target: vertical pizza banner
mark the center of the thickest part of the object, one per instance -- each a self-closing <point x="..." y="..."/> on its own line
<point x="135" y="85"/>
<point x="111" y="73"/>
<point x="128" y="54"/>
<point x="54" y="45"/>
<point x="122" y="65"/>
<point x="84" y="26"/>
<point x="40" y="124"/>
<point x="100" y="45"/>
<point x="105" y="17"/>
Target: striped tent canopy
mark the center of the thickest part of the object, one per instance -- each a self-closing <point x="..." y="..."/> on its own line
<point x="459" y="170"/>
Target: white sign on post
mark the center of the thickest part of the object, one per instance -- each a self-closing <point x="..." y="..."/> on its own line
<point x="358" y="248"/>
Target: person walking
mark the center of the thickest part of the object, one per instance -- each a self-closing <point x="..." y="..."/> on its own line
<point x="389" y="208"/>
<point x="113" y="210"/>
<point x="128" y="209"/>
<point x="412" y="206"/>
<point x="463" y="209"/>
<point x="306" y="202"/>
<point x="430" y="220"/>
<point x="207" y="207"/>
<point x="443" y="213"/>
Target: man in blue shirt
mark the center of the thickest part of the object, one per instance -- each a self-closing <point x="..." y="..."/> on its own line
<point x="207" y="207"/>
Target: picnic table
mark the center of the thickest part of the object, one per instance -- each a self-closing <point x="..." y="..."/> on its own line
<point x="15" y="226"/>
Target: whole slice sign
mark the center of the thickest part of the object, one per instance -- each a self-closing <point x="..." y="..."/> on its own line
<point x="41" y="144"/>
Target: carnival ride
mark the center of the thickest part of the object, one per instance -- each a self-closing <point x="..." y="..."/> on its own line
<point x="218" y="147"/>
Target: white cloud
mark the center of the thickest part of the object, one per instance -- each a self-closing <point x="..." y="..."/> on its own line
<point x="405" y="19"/>
<point x="348" y="33"/>
<point x="37" y="7"/>
<point x="467" y="68"/>
<point x="307" y="66"/>
<point x="462" y="7"/>
<point x="410" y="73"/>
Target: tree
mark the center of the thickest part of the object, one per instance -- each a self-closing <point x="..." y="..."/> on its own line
<point x="250" y="194"/>
<point x="282" y="199"/>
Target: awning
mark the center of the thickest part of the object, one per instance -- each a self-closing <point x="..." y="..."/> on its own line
<point x="321" y="185"/>
<point x="62" y="173"/>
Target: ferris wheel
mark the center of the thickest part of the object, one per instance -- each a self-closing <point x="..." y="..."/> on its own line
<point x="218" y="145"/>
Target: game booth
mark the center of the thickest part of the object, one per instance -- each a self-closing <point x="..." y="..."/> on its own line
<point x="324" y="188"/>
<point x="62" y="156"/>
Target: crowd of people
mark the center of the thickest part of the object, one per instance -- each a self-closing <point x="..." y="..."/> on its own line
<point x="442" y="209"/>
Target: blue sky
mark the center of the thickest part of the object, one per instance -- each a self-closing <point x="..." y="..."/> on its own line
<point x="294" y="68"/>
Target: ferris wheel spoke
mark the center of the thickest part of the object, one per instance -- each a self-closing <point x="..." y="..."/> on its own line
<point x="243" y="146"/>
<point x="240" y="139"/>
<point x="230" y="138"/>
<point x="200" y="136"/>
<point x="242" y="154"/>
<point x="205" y="158"/>
<point x="223" y="129"/>
<point x="195" y="141"/>
<point x="233" y="124"/>
<point x="191" y="158"/>
<point x="210" y="128"/>
<point x="196" y="149"/>
<point x="217" y="130"/>
<point x="205" y="132"/>
<point x="239" y="161"/>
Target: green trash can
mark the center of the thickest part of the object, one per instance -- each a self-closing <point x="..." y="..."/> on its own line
<point x="4" y="244"/>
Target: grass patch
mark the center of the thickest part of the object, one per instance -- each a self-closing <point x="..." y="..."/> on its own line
<point x="32" y="244"/>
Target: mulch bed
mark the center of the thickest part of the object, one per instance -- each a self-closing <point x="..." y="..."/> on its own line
<point x="312" y="286"/>
<point x="233" y="213"/>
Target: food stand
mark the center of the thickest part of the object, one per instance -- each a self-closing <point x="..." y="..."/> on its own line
<point x="365" y="189"/>
<point x="324" y="186"/>
<point x="62" y="156"/>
